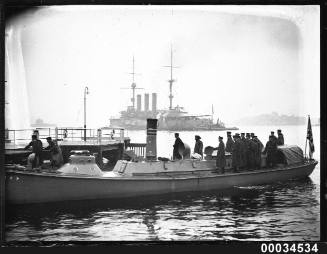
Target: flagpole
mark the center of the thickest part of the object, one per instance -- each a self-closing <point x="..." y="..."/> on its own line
<point x="306" y="139"/>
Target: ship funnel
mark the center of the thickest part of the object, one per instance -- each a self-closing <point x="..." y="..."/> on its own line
<point x="154" y="102"/>
<point x="146" y="102"/>
<point x="138" y="105"/>
<point x="151" y="139"/>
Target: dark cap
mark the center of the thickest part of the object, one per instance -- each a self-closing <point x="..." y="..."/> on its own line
<point x="177" y="133"/>
<point x="229" y="132"/>
<point x="49" y="138"/>
<point x="242" y="133"/>
<point x="252" y="134"/>
<point x="220" y="137"/>
<point x="279" y="130"/>
<point x="197" y="137"/>
<point x="255" y="136"/>
<point x="248" y="134"/>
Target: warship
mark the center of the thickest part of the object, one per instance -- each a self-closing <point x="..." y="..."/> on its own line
<point x="171" y="119"/>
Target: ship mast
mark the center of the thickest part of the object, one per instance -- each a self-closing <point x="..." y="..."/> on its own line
<point x="171" y="80"/>
<point x="133" y="86"/>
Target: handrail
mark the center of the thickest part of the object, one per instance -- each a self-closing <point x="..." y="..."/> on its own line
<point x="66" y="133"/>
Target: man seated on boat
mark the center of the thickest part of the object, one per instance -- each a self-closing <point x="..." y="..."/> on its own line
<point x="271" y="150"/>
<point x="36" y="156"/>
<point x="179" y="145"/>
<point x="55" y="151"/>
<point x="198" y="147"/>
<point x="221" y="158"/>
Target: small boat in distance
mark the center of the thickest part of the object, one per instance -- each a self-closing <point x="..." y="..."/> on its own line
<point x="82" y="179"/>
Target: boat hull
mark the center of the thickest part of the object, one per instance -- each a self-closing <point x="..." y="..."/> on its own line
<point x="25" y="187"/>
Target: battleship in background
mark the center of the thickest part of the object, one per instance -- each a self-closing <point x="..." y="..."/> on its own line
<point x="172" y="119"/>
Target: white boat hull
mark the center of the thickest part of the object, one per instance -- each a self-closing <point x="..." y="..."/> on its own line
<point x="29" y="187"/>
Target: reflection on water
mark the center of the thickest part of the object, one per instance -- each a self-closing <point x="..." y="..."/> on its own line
<point x="283" y="211"/>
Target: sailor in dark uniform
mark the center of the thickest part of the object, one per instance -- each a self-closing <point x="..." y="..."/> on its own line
<point x="36" y="145"/>
<point x="258" y="152"/>
<point x="221" y="159"/>
<point x="251" y="151"/>
<point x="271" y="150"/>
<point x="274" y="138"/>
<point x="280" y="139"/>
<point x="198" y="147"/>
<point x="243" y="151"/>
<point x="177" y="146"/>
<point x="229" y="143"/>
<point x="236" y="152"/>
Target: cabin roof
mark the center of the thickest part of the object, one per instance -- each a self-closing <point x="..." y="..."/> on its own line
<point x="292" y="154"/>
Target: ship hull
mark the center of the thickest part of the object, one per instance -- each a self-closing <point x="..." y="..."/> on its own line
<point x="30" y="187"/>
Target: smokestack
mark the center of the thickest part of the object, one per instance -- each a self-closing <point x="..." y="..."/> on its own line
<point x="138" y="105"/>
<point x="154" y="102"/>
<point x="151" y="139"/>
<point x="146" y="102"/>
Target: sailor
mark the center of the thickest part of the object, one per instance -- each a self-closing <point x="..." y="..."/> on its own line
<point x="273" y="137"/>
<point x="55" y="151"/>
<point x="280" y="139"/>
<point x="258" y="152"/>
<point x="270" y="150"/>
<point x="177" y="146"/>
<point x="236" y="153"/>
<point x="198" y="147"/>
<point x="229" y="143"/>
<point x="251" y="150"/>
<point x="243" y="151"/>
<point x="221" y="159"/>
<point x="36" y="145"/>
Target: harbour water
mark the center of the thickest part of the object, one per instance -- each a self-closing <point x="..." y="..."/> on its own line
<point x="284" y="211"/>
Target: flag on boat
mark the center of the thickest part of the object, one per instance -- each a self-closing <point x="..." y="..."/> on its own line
<point x="310" y="138"/>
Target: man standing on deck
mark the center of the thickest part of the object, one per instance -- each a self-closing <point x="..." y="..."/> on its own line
<point x="243" y="152"/>
<point x="274" y="138"/>
<point x="221" y="159"/>
<point x="250" y="152"/>
<point x="198" y="148"/>
<point x="236" y="153"/>
<point x="280" y="139"/>
<point x="36" y="145"/>
<point x="177" y="146"/>
<point x="229" y="143"/>
<point x="258" y="152"/>
<point x="270" y="150"/>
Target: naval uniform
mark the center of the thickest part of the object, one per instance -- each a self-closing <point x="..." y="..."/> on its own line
<point x="221" y="159"/>
<point x="229" y="145"/>
<point x="178" y="144"/>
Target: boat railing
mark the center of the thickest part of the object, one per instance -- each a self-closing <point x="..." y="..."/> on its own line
<point x="18" y="136"/>
<point x="138" y="148"/>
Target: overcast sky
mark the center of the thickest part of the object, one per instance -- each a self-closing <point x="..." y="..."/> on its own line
<point x="245" y="60"/>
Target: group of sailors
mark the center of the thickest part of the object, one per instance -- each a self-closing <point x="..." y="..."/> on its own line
<point x="245" y="149"/>
<point x="36" y="160"/>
